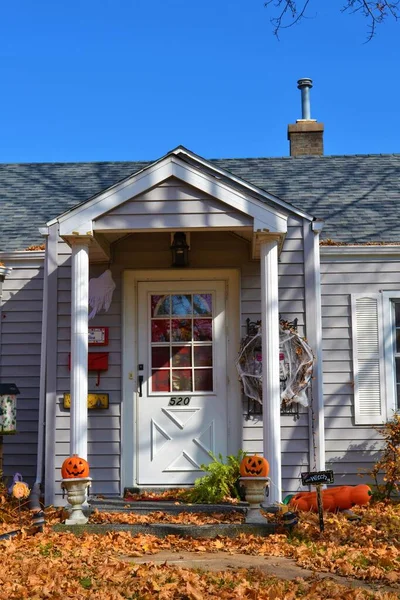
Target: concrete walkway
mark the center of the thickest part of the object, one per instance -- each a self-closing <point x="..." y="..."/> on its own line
<point x="272" y="566"/>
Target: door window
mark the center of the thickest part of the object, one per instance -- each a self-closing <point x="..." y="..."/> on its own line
<point x="181" y="342"/>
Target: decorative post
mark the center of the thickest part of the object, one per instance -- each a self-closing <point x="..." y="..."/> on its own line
<point x="79" y="345"/>
<point x="270" y="365"/>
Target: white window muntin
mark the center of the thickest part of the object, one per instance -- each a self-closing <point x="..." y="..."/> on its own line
<point x="389" y="299"/>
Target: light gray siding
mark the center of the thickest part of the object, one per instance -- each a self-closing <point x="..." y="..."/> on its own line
<point x="20" y="346"/>
<point x="350" y="449"/>
<point x="171" y="204"/>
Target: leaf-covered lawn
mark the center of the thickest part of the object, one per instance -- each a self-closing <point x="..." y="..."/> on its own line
<point x="60" y="565"/>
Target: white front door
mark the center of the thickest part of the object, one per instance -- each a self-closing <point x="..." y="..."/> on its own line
<point x="181" y="396"/>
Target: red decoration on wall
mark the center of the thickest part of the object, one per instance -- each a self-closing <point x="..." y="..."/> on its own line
<point x="97" y="361"/>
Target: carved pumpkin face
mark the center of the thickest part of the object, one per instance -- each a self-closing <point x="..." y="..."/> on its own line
<point x="73" y="467"/>
<point x="254" y="466"/>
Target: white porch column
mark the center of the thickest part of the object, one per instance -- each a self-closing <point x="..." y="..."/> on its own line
<point x="79" y="345"/>
<point x="270" y="365"/>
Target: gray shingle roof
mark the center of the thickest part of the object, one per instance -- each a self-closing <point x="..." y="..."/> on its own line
<point x="357" y="196"/>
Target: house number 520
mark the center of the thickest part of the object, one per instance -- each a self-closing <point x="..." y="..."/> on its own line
<point x="179" y="400"/>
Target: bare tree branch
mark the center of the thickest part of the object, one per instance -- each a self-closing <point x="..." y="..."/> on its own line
<point x="290" y="12"/>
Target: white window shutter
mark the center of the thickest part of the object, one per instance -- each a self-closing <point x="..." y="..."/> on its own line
<point x="368" y="361"/>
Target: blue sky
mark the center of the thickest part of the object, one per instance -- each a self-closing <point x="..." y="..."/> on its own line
<point x="132" y="79"/>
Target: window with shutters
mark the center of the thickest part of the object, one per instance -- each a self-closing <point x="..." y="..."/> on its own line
<point x="376" y="356"/>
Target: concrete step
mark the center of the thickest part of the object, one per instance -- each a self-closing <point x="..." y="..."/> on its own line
<point x="164" y="529"/>
<point x="148" y="506"/>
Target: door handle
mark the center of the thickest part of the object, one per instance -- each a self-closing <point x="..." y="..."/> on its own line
<point x="140" y="385"/>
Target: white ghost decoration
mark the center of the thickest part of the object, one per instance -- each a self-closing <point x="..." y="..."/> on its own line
<point x="100" y="293"/>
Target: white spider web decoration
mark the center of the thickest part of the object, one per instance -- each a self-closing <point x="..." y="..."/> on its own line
<point x="295" y="362"/>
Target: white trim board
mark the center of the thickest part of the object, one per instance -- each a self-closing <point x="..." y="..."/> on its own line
<point x="389" y="344"/>
<point x="129" y="352"/>
<point x="360" y="253"/>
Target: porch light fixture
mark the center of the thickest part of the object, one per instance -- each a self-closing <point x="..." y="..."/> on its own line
<point x="180" y="250"/>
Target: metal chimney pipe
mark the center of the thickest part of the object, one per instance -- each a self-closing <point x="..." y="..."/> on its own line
<point x="305" y="85"/>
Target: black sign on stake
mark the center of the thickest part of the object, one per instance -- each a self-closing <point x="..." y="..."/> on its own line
<point x="318" y="478"/>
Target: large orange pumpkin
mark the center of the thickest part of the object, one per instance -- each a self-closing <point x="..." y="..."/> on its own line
<point x="254" y="466"/>
<point x="74" y="467"/>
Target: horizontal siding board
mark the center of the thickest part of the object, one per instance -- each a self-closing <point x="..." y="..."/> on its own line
<point x="291" y="257"/>
<point x="336" y="333"/>
<point x="18" y="306"/>
<point x="360" y="277"/>
<point x="336" y="366"/>
<point x="28" y="359"/>
<point x="359" y="456"/>
<point x="386" y="265"/>
<point x="336" y="355"/>
<point x="342" y="311"/>
<point x="348" y="435"/>
<point x="24" y="294"/>
<point x="94" y="448"/>
<point x="21" y="273"/>
<point x="28" y="349"/>
<point x="97" y="422"/>
<point x="94" y="435"/>
<point x="185" y="206"/>
<point x="171" y="221"/>
<point x="335" y="299"/>
<point x="336" y="344"/>
<point x="361" y="288"/>
<point x="22" y="317"/>
<point x="15" y="285"/>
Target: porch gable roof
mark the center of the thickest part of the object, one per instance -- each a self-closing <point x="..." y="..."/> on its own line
<point x="268" y="212"/>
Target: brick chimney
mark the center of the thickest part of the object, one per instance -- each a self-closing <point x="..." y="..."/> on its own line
<point x="306" y="135"/>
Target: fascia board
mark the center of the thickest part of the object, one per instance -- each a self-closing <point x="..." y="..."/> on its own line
<point x="79" y="219"/>
<point x="113" y="197"/>
<point x="242" y="182"/>
<point x="361" y="252"/>
<point x="264" y="217"/>
<point x="23" y="255"/>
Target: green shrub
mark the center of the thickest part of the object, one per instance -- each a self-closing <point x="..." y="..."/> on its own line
<point x="221" y="482"/>
<point x="386" y="471"/>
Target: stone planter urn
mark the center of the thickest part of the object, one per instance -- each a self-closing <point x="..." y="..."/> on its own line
<point x="76" y="489"/>
<point x="255" y="495"/>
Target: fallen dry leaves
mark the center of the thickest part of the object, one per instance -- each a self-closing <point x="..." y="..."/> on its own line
<point x="185" y="518"/>
<point x="61" y="565"/>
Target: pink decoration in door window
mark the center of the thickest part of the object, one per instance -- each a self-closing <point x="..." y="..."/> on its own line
<point x="160" y="330"/>
<point x="202" y="304"/>
<point x="181" y="330"/>
<point x="160" y="305"/>
<point x="202" y="330"/>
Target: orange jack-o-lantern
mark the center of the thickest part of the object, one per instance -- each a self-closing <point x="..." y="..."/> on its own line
<point x="74" y="466"/>
<point x="254" y="466"/>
